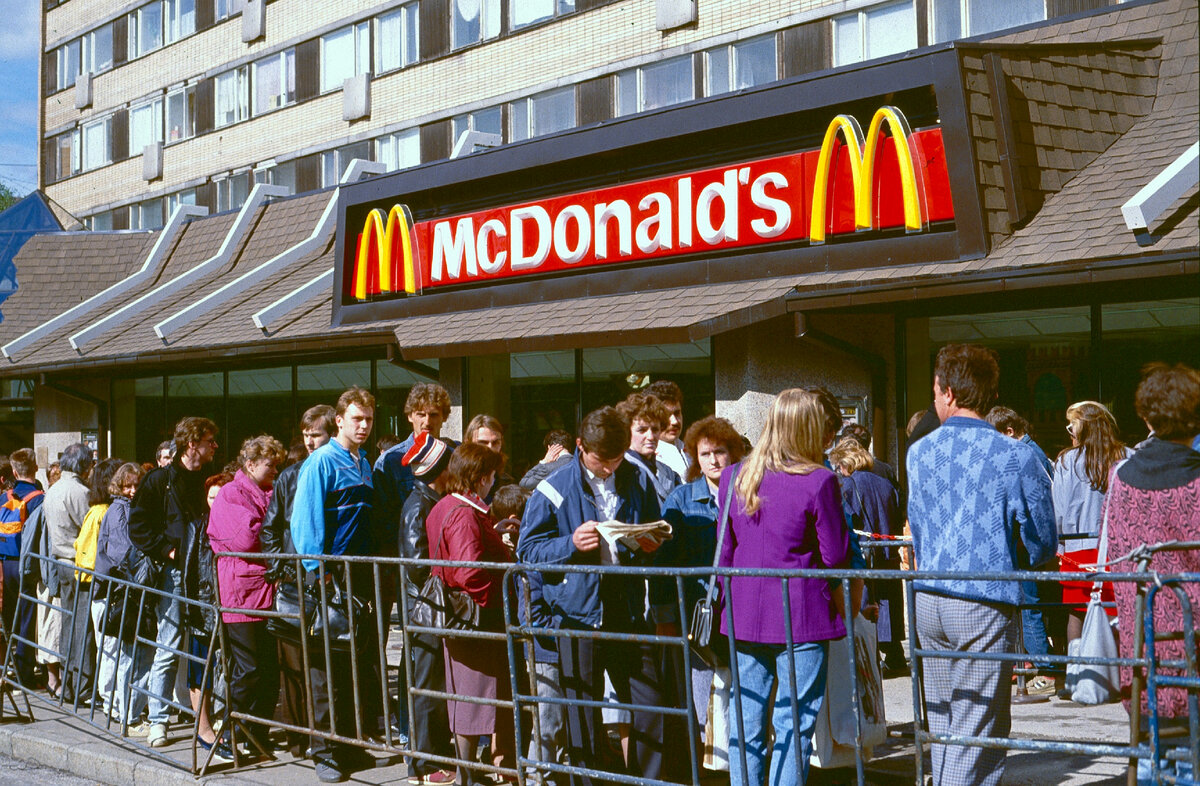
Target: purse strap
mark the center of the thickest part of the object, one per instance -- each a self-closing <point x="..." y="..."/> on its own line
<point x="1102" y="546"/>
<point x="722" y="522"/>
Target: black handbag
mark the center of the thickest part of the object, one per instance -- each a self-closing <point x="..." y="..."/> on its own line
<point x="342" y="613"/>
<point x="704" y="634"/>
<point x="439" y="606"/>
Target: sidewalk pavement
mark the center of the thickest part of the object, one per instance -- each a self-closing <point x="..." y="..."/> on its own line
<point x="59" y="739"/>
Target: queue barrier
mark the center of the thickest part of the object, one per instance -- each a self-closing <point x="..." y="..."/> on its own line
<point x="374" y="685"/>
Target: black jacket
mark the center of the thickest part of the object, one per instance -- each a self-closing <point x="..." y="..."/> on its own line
<point x="276" y="535"/>
<point x="168" y="499"/>
<point x="414" y="542"/>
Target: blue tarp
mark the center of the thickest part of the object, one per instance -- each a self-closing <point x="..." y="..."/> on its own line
<point x="17" y="224"/>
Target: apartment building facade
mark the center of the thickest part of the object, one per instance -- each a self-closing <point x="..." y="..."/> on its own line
<point x="150" y="105"/>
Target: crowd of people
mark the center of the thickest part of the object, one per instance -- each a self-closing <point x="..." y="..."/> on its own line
<point x="980" y="496"/>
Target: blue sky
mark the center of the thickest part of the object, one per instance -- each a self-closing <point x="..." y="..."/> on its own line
<point x="19" y="94"/>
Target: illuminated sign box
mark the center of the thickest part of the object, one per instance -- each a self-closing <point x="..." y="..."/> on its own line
<point x="888" y="178"/>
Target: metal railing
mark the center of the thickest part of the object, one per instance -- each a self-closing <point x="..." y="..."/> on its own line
<point x="357" y="706"/>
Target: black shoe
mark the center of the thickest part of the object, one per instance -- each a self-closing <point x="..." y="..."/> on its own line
<point x="328" y="772"/>
<point x="355" y="759"/>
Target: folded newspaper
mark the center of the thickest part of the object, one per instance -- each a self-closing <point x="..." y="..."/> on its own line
<point x="635" y="537"/>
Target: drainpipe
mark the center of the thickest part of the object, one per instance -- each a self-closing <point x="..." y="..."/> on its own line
<point x="101" y="412"/>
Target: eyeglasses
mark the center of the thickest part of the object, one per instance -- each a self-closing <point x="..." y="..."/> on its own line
<point x="1071" y="429"/>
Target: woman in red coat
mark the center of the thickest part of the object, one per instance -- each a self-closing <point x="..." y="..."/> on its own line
<point x="460" y="529"/>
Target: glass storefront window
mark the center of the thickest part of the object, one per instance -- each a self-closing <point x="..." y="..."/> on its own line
<point x="543" y="397"/>
<point x="322" y="384"/>
<point x="201" y="395"/>
<point x="612" y="373"/>
<point x="260" y="402"/>
<point x="150" y="418"/>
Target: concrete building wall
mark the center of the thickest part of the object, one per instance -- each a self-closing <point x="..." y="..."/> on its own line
<point x="61" y="419"/>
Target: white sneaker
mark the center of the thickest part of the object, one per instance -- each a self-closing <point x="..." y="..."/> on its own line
<point x="138" y="730"/>
<point x="158" y="735"/>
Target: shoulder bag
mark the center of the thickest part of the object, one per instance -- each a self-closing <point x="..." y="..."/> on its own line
<point x="439" y="606"/>
<point x="704" y="636"/>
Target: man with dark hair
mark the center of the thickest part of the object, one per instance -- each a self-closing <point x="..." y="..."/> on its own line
<point x="670" y="449"/>
<point x="20" y="502"/>
<point x="429" y="727"/>
<point x="317" y="426"/>
<point x="169" y="501"/>
<point x="166" y="451"/>
<point x="65" y="505"/>
<point x="1010" y="423"/>
<point x="560" y="526"/>
<point x="559" y="446"/>
<point x="331" y="514"/>
<point x="973" y="493"/>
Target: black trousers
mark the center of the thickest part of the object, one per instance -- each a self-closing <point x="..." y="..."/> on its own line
<point x="636" y="671"/>
<point x="253" y="673"/>
<point x="291" y="678"/>
<point x="337" y="707"/>
<point x="78" y="638"/>
<point x="22" y="626"/>
<point x="429" y="724"/>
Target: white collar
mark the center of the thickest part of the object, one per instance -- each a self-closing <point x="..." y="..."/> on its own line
<point x="470" y="502"/>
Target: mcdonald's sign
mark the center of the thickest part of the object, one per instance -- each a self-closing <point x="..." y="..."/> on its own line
<point x="890" y="178"/>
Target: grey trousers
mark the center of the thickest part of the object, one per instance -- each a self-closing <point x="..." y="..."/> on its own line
<point x="963" y="696"/>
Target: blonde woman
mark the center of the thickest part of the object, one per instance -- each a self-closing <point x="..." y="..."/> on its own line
<point x="1079" y="485"/>
<point x="786" y="513"/>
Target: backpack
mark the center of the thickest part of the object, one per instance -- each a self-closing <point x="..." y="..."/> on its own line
<point x="13" y="513"/>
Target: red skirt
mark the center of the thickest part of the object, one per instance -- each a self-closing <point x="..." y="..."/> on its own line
<point x="1077" y="593"/>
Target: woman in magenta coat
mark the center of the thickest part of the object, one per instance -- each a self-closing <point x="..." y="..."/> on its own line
<point x="786" y="513"/>
<point x="460" y="529"/>
<point x="234" y="525"/>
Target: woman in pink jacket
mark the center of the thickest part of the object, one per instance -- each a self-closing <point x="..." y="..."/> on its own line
<point x="234" y="525"/>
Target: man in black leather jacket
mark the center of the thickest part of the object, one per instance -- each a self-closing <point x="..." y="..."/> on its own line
<point x="317" y="426"/>
<point x="430" y="724"/>
<point x="168" y="504"/>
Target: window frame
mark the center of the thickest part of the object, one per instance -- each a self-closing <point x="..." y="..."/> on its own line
<point x="85" y="160"/>
<point x="487" y="9"/>
<point x="639" y="75"/>
<point x="286" y="60"/>
<point x="157" y="108"/>
<point x="387" y="148"/>
<point x="730" y="52"/>
<point x="360" y="40"/>
<point x="529" y="104"/>
<point x="561" y="8"/>
<point x="241" y="77"/>
<point x="190" y="110"/>
<point x="862" y="18"/>
<point x="410" y="17"/>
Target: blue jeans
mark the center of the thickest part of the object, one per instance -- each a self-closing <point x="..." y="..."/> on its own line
<point x="161" y="682"/>
<point x="759" y="667"/>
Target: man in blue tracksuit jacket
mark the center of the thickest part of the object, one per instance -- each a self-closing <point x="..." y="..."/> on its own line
<point x="559" y="527"/>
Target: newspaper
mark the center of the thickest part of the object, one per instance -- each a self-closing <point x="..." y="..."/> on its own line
<point x="635" y="537"/>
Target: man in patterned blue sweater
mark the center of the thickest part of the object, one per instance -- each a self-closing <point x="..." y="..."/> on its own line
<point x="973" y="492"/>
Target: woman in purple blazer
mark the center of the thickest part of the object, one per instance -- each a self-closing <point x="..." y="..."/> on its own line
<point x="786" y="513"/>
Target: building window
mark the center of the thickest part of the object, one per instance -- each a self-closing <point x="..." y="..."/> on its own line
<point x="68" y="64"/>
<point x="101" y="222"/>
<point x="145" y="125"/>
<point x="158" y="23"/>
<point x="334" y="162"/>
<point x="488" y="121"/>
<point x="179" y="19"/>
<point x="232" y="191"/>
<point x="181" y="114"/>
<point x="874" y="32"/>
<point x="542" y="114"/>
<point x="97" y="151"/>
<point x="396" y="39"/>
<point x="185" y="197"/>
<point x="473" y="21"/>
<point x="275" y="81"/>
<point x="225" y="8"/>
<point x="528" y="12"/>
<point x="66" y="156"/>
<point x="233" y="97"/>
<point x="741" y="65"/>
<point x="97" y="50"/>
<point x="951" y="19"/>
<point x="399" y="150"/>
<point x="146" y="215"/>
<point x="277" y="174"/>
<point x="345" y="53"/>
<point x="655" y="85"/>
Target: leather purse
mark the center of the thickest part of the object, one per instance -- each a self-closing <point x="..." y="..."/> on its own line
<point x="341" y="615"/>
<point x="704" y="633"/>
<point x="439" y="606"/>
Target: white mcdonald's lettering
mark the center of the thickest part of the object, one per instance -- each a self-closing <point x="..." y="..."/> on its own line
<point x="781" y="209"/>
<point x="449" y="249"/>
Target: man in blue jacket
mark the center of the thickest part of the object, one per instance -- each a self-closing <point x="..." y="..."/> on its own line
<point x="973" y="494"/>
<point x="559" y="527"/>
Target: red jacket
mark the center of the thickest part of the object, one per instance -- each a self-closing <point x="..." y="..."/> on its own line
<point x="461" y="529"/>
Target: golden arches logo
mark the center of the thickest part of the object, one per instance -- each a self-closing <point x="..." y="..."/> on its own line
<point x="382" y="231"/>
<point x="862" y="172"/>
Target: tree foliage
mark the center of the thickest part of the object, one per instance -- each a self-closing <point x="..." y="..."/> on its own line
<point x="7" y="197"/>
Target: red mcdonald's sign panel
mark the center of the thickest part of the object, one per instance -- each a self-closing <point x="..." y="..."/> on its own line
<point x="889" y="178"/>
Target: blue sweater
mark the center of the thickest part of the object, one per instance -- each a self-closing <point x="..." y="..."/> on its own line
<point x="972" y="493"/>
<point x="332" y="510"/>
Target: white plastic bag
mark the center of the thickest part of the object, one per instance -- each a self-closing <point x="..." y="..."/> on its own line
<point x="1091" y="683"/>
<point x="833" y="738"/>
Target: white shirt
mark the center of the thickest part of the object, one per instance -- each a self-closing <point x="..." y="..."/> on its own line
<point x="605" y="492"/>
<point x="671" y="454"/>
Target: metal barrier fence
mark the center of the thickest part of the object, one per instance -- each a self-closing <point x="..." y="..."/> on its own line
<point x="340" y="710"/>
